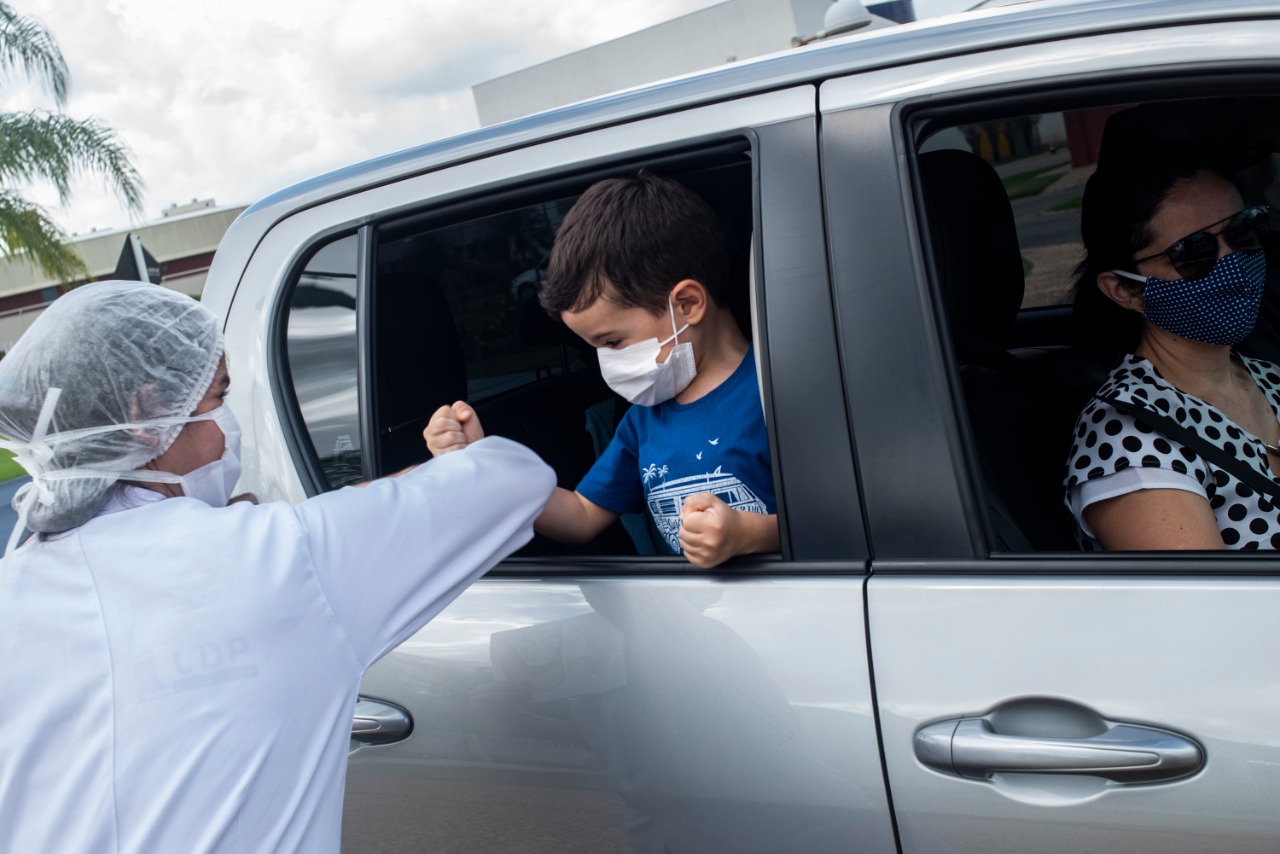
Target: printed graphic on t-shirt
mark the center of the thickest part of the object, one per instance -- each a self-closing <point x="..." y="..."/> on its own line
<point x="660" y="455"/>
<point x="666" y="498"/>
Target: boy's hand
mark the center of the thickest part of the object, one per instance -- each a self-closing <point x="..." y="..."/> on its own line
<point x="452" y="428"/>
<point x="711" y="531"/>
<point x="708" y="530"/>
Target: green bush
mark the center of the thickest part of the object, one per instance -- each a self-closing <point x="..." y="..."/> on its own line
<point x="1031" y="182"/>
<point x="8" y="468"/>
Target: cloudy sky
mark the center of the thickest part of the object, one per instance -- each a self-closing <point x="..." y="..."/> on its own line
<point x="237" y="99"/>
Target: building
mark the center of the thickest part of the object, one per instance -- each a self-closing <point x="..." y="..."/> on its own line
<point x="182" y="240"/>
<point x="726" y="32"/>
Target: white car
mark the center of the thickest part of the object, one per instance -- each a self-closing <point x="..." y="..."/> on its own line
<point x="930" y="664"/>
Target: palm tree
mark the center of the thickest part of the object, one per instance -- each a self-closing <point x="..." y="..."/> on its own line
<point x="49" y="146"/>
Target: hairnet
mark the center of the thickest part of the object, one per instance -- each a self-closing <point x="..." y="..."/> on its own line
<point x="101" y="383"/>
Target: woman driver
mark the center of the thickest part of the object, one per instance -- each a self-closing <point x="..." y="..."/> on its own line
<point x="1172" y="277"/>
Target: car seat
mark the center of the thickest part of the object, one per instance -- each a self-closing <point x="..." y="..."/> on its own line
<point x="418" y="363"/>
<point x="1022" y="402"/>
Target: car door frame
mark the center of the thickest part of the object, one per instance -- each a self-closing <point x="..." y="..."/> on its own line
<point x="937" y="592"/>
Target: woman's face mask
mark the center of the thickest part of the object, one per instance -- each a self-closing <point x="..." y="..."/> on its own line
<point x="1218" y="308"/>
<point x="213" y="482"/>
<point x="635" y="372"/>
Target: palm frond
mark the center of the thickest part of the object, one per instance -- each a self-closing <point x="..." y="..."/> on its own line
<point x="25" y="44"/>
<point x="55" y="148"/>
<point x="26" y="231"/>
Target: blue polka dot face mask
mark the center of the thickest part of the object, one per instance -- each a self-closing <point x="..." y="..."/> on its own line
<point x="1218" y="308"/>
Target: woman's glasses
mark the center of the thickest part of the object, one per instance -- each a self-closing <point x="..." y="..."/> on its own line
<point x="1194" y="255"/>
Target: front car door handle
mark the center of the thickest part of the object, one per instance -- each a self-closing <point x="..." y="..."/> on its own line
<point x="1125" y="753"/>
<point x="378" y="722"/>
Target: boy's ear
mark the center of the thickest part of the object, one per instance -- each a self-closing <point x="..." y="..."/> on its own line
<point x="689" y="300"/>
<point x="1121" y="291"/>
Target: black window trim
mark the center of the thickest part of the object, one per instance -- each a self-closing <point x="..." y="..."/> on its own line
<point x="370" y="447"/>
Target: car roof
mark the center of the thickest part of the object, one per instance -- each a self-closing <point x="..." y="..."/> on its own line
<point x="935" y="38"/>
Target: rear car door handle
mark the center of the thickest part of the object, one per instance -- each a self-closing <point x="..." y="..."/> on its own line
<point x="379" y="722"/>
<point x="1125" y="753"/>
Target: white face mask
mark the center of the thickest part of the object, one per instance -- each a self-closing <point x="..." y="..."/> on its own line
<point x="213" y="482"/>
<point x="635" y="372"/>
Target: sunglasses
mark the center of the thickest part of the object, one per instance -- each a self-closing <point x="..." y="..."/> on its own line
<point x="1194" y="255"/>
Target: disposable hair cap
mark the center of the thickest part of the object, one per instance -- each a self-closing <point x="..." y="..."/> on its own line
<point x="101" y="384"/>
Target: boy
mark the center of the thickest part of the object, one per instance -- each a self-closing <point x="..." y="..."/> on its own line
<point x="638" y="271"/>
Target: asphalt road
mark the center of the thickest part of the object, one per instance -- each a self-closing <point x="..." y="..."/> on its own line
<point x="1037" y="226"/>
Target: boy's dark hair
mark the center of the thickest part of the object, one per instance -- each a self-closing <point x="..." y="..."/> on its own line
<point x="640" y="235"/>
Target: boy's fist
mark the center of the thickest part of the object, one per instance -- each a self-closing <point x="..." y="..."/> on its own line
<point x="452" y="428"/>
<point x="708" y="530"/>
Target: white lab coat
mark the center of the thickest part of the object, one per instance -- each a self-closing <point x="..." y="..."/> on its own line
<point x="179" y="678"/>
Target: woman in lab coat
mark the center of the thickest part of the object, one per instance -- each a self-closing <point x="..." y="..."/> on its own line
<point x="178" y="673"/>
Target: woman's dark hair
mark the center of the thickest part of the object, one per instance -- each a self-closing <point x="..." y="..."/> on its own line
<point x="641" y="234"/>
<point x="1119" y="201"/>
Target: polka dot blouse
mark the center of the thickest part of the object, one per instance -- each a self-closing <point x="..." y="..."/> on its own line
<point x="1112" y="454"/>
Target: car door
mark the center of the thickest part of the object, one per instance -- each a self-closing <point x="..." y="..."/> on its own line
<point x="1030" y="699"/>
<point x="602" y="701"/>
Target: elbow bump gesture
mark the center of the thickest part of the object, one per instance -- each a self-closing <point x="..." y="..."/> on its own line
<point x="452" y="428"/>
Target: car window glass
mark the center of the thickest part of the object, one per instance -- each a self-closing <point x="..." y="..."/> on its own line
<point x="481" y="278"/>
<point x="323" y="359"/>
<point x="1043" y="161"/>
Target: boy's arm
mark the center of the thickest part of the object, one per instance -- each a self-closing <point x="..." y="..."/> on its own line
<point x="711" y="531"/>
<point x="571" y="518"/>
<point x="568" y="517"/>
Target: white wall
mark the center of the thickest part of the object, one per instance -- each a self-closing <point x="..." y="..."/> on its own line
<point x="729" y="31"/>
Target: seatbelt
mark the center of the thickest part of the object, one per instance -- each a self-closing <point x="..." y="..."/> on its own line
<point x="991" y="356"/>
<point x="1171" y="429"/>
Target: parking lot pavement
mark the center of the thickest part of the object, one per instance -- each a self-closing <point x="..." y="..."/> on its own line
<point x="8" y="518"/>
<point x="1057" y="157"/>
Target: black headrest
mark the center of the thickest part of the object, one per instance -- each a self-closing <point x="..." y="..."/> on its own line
<point x="420" y="358"/>
<point x="975" y="243"/>
<point x="536" y="328"/>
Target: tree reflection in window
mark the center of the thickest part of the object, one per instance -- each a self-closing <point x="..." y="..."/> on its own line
<point x="323" y="359"/>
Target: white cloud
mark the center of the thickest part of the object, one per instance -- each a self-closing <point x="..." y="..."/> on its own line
<point x="238" y="99"/>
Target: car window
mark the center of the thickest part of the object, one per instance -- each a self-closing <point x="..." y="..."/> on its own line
<point x="454" y="315"/>
<point x="1002" y="211"/>
<point x="323" y="359"/>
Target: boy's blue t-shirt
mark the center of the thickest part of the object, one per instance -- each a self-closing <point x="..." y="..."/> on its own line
<point x="662" y="454"/>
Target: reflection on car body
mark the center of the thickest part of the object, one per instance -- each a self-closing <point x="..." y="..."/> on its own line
<point x="598" y="698"/>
